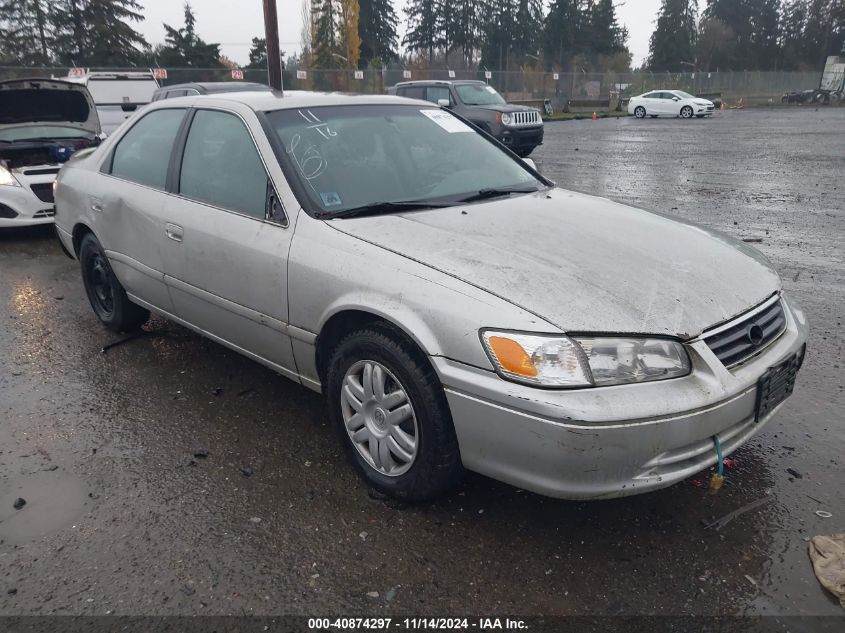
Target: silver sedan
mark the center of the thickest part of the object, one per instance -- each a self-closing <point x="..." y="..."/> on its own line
<point x="457" y="309"/>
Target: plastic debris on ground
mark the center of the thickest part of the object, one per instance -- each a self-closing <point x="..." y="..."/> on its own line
<point x="828" y="556"/>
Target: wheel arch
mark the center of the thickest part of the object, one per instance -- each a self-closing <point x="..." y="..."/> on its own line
<point x="346" y="320"/>
<point x="80" y="230"/>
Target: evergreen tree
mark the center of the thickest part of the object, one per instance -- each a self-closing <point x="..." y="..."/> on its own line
<point x="716" y="45"/>
<point x="258" y="53"/>
<point x="793" y="45"/>
<point x="673" y="40"/>
<point x="324" y="38"/>
<point x="26" y="33"/>
<point x="466" y="27"/>
<point x="497" y="43"/>
<point x="566" y="32"/>
<point x="109" y="38"/>
<point x="765" y="38"/>
<point x="825" y="30"/>
<point x="424" y="27"/>
<point x="528" y="28"/>
<point x="607" y="37"/>
<point x="183" y="47"/>
<point x="755" y="25"/>
<point x="377" y="29"/>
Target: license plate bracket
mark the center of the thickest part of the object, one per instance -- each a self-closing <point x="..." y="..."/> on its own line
<point x="777" y="384"/>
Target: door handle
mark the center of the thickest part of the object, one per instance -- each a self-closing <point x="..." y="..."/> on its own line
<point x="173" y="231"/>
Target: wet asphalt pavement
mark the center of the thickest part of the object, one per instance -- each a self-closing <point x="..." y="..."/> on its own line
<point x="121" y="517"/>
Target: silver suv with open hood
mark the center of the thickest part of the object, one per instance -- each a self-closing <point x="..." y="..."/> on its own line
<point x="43" y="122"/>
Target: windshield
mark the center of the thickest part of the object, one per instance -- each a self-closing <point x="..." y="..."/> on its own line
<point x="684" y="95"/>
<point x="346" y="157"/>
<point x="41" y="132"/>
<point x="479" y="95"/>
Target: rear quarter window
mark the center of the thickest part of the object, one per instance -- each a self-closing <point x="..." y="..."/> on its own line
<point x="143" y="154"/>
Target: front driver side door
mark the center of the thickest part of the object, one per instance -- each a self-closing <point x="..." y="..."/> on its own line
<point x="228" y="241"/>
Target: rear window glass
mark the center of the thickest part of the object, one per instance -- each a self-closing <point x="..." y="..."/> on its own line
<point x="143" y="154"/>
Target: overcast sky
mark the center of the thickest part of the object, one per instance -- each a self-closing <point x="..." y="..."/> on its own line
<point x="234" y="24"/>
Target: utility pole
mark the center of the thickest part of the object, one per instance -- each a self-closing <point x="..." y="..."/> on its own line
<point x="274" y="58"/>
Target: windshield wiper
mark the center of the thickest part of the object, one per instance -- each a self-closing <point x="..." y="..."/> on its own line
<point x="375" y="208"/>
<point x="497" y="192"/>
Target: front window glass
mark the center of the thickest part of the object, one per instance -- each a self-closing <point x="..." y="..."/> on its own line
<point x="479" y="94"/>
<point x="143" y="154"/>
<point x="42" y="132"/>
<point x="221" y="165"/>
<point x="346" y="157"/>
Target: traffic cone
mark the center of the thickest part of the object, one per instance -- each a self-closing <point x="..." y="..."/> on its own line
<point x="595" y="116"/>
<point x="723" y="107"/>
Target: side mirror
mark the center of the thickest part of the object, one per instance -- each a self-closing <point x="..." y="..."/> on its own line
<point x="676" y="98"/>
<point x="443" y="103"/>
<point x="530" y="163"/>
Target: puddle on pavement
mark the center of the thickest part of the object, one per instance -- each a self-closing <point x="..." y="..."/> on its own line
<point x="54" y="500"/>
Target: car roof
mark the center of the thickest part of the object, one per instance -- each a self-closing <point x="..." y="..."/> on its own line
<point x="274" y="100"/>
<point x="217" y="86"/>
<point x="442" y="82"/>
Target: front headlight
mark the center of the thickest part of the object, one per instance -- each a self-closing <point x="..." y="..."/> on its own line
<point x="6" y="178"/>
<point x="564" y="362"/>
<point x="506" y="118"/>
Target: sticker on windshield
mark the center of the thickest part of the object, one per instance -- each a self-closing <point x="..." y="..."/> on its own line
<point x="330" y="199"/>
<point x="490" y="89"/>
<point x="447" y="121"/>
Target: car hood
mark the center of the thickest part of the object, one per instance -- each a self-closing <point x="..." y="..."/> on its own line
<point x="47" y="102"/>
<point x="702" y="102"/>
<point x="506" y="107"/>
<point x="582" y="263"/>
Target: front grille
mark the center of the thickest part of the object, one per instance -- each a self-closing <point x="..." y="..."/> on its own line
<point x="44" y="171"/>
<point x="748" y="334"/>
<point x="529" y="117"/>
<point x="43" y="190"/>
<point x="45" y="213"/>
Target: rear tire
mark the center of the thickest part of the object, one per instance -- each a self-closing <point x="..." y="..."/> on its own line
<point x="107" y="297"/>
<point x="639" y="112"/>
<point x="389" y="407"/>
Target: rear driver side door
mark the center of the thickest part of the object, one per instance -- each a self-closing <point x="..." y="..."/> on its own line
<point x="228" y="240"/>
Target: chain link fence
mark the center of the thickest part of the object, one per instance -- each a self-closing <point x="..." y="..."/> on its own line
<point x="754" y="88"/>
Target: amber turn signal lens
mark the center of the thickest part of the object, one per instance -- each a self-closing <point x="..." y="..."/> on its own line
<point x="511" y="356"/>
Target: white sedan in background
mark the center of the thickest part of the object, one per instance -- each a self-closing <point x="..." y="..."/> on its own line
<point x="674" y="103"/>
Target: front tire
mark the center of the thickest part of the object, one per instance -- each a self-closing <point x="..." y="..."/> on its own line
<point x="686" y="112"/>
<point x="639" y="112"/>
<point x="107" y="297"/>
<point x="524" y="152"/>
<point x="390" y="409"/>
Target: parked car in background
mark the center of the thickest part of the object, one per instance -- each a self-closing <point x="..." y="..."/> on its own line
<point x="518" y="127"/>
<point x="207" y="88"/>
<point x="43" y="122"/>
<point x="455" y="308"/>
<point x="118" y="95"/>
<point x="675" y="103"/>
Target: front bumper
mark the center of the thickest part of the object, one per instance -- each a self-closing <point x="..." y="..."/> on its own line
<point x="27" y="205"/>
<point x="611" y="441"/>
<point x="520" y="138"/>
